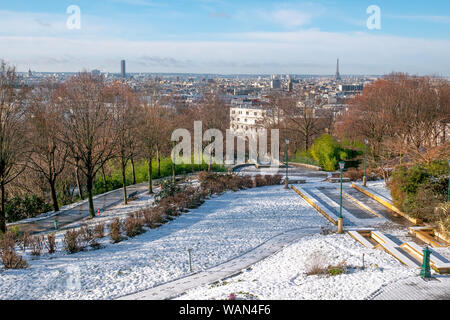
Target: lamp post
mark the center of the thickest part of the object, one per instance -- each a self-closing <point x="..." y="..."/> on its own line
<point x="341" y="218"/>
<point x="286" y="181"/>
<point x="448" y="192"/>
<point x="366" y="142"/>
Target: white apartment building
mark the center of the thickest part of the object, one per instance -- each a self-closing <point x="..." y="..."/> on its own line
<point x="244" y="119"/>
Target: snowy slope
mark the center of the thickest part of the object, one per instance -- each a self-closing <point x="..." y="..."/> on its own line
<point x="283" y="276"/>
<point x="222" y="228"/>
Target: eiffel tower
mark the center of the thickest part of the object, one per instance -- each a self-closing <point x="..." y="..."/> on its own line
<point x="338" y="75"/>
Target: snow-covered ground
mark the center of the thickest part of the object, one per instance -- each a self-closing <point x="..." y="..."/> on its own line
<point x="380" y="187"/>
<point x="283" y="276"/>
<point x="222" y="228"/>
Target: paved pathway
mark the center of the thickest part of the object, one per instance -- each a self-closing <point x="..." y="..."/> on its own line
<point x="81" y="211"/>
<point x="225" y="270"/>
<point x="416" y="289"/>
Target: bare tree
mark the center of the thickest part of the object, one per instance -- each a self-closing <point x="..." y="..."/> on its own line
<point x="14" y="150"/>
<point x="126" y="115"/>
<point x="49" y="154"/>
<point x="87" y="121"/>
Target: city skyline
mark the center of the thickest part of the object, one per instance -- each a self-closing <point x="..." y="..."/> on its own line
<point x="227" y="37"/>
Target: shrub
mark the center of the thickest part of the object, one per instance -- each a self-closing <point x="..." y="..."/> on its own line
<point x="328" y="152"/>
<point x="443" y="212"/>
<point x="247" y="182"/>
<point x="19" y="208"/>
<point x="317" y="264"/>
<point x="72" y="242"/>
<point x="260" y="181"/>
<point x="274" y="180"/>
<point x="115" y="231"/>
<point x="25" y="240"/>
<point x="87" y="237"/>
<point x="168" y="189"/>
<point x="133" y="226"/>
<point x="99" y="231"/>
<point x="421" y="188"/>
<point x="10" y="259"/>
<point x="51" y="243"/>
<point x="36" y="245"/>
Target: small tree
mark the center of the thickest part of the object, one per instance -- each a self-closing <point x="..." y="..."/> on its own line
<point x="49" y="154"/>
<point x="88" y="126"/>
<point x="14" y="146"/>
<point x="126" y="117"/>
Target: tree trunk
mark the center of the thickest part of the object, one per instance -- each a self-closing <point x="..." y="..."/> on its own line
<point x="173" y="172"/>
<point x="133" y="172"/>
<point x="124" y="182"/>
<point x="104" y="179"/>
<point x="77" y="177"/>
<point x="150" y="178"/>
<point x="89" y="185"/>
<point x="3" y="213"/>
<point x="54" y="197"/>
<point x="159" y="163"/>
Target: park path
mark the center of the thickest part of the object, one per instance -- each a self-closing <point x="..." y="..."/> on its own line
<point x="178" y="287"/>
<point x="437" y="288"/>
<point x="79" y="212"/>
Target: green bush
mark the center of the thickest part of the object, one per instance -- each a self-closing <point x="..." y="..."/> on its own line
<point x="114" y="180"/>
<point x="19" y="208"/>
<point x="419" y="189"/>
<point x="327" y="152"/>
<point x="305" y="157"/>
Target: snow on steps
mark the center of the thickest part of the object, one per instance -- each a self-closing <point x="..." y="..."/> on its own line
<point x="384" y="242"/>
<point x="361" y="239"/>
<point x="436" y="262"/>
<point x="429" y="235"/>
<point x="392" y="248"/>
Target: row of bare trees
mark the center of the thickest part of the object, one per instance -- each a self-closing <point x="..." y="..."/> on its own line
<point x="83" y="124"/>
<point x="403" y="117"/>
<point x="298" y="122"/>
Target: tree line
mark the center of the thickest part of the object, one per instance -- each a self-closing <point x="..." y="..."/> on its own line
<point x="60" y="137"/>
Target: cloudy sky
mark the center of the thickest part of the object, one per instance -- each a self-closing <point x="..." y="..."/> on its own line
<point x="227" y="36"/>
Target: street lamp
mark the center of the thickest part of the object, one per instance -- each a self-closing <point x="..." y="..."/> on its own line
<point x="286" y="181"/>
<point x="366" y="142"/>
<point x="448" y="192"/>
<point x="341" y="218"/>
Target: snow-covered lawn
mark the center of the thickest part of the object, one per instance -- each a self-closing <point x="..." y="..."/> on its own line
<point x="222" y="228"/>
<point x="283" y="276"/>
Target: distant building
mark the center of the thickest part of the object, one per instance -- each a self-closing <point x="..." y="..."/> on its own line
<point x="123" y="69"/>
<point x="275" y="83"/>
<point x="338" y="75"/>
<point x="290" y="85"/>
<point x="244" y="119"/>
<point x="351" y="88"/>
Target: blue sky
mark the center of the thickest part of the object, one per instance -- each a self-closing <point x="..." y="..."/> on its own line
<point x="228" y="36"/>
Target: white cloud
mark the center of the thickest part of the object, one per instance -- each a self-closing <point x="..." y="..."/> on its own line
<point x="422" y="18"/>
<point x="287" y="18"/>
<point x="309" y="51"/>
